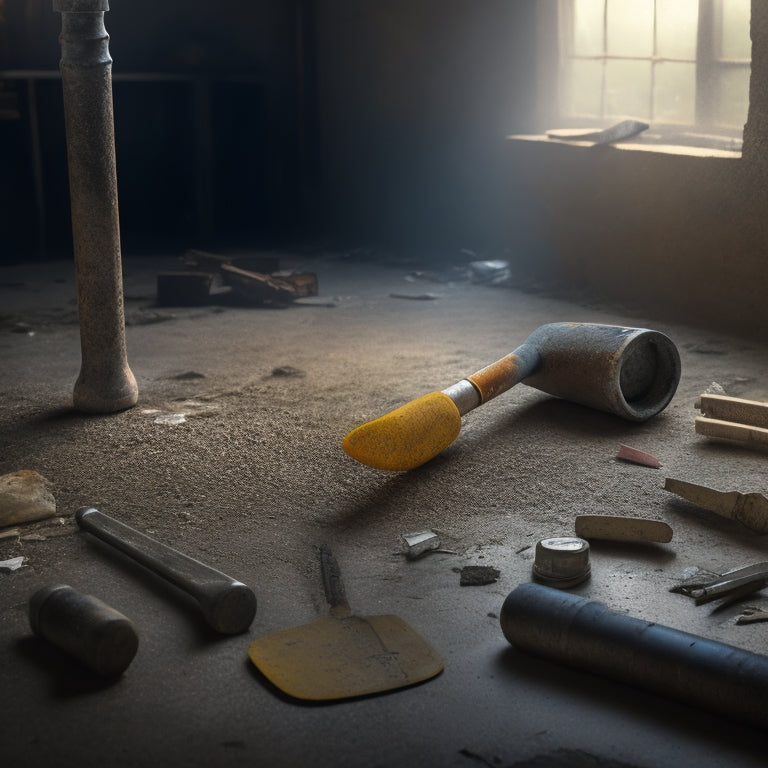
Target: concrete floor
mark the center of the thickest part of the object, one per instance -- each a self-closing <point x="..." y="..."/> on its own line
<point x="254" y="481"/>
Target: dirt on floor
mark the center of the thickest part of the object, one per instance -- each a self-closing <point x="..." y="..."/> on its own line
<point x="233" y="456"/>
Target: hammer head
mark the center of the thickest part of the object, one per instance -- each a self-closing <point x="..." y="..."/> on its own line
<point x="632" y="372"/>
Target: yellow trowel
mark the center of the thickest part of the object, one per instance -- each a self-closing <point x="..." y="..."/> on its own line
<point x="344" y="655"/>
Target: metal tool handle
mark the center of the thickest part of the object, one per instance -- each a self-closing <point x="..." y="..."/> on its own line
<point x="227" y="605"/>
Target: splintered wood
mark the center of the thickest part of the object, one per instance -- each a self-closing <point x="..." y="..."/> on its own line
<point x="617" y="528"/>
<point x="732" y="418"/>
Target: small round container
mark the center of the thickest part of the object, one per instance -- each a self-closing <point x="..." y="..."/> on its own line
<point x="561" y="561"/>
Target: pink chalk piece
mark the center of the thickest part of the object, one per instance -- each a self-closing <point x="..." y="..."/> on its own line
<point x="637" y="457"/>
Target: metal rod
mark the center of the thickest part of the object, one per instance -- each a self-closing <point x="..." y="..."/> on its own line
<point x="106" y="383"/>
<point x="227" y="605"/>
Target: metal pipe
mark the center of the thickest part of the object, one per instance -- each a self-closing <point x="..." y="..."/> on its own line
<point x="105" y="383"/>
<point x="586" y="635"/>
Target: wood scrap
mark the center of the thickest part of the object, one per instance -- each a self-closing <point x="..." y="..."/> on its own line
<point x="619" y="528"/>
<point x="733" y="418"/>
<point x="750" y="509"/>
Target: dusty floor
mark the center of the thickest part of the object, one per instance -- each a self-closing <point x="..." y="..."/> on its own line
<point x="254" y="481"/>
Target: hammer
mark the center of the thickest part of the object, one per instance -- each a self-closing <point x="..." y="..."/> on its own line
<point x="227" y="605"/>
<point x="631" y="372"/>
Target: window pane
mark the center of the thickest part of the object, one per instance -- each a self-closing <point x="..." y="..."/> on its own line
<point x="734" y="29"/>
<point x="588" y="37"/>
<point x="732" y="96"/>
<point x="583" y="88"/>
<point x="674" y="93"/>
<point x="676" y="27"/>
<point x="627" y="88"/>
<point x="629" y="27"/>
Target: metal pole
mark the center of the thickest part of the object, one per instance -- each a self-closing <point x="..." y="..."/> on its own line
<point x="106" y="383"/>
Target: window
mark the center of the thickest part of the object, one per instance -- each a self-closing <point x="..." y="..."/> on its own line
<point x="682" y="66"/>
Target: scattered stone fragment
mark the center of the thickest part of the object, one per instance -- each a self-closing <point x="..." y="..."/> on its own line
<point x="170" y="419"/>
<point x="7" y="566"/>
<point x="25" y="495"/>
<point x="188" y="376"/>
<point x="9" y="533"/>
<point x="477" y="575"/>
<point x="415" y="296"/>
<point x="418" y="543"/>
<point x="635" y="456"/>
<point x="287" y="371"/>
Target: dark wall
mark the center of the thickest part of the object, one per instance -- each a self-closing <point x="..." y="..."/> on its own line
<point x="205" y="125"/>
<point x="415" y="99"/>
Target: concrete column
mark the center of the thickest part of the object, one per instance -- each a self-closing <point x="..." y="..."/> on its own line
<point x="105" y="383"/>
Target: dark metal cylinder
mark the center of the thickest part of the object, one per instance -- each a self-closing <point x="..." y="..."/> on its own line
<point x="105" y="383"/>
<point x="85" y="627"/>
<point x="584" y="634"/>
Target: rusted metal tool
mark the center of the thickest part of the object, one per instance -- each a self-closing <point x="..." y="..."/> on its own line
<point x="631" y="372"/>
<point x="584" y="634"/>
<point x="226" y="604"/>
<point x="106" y="383"/>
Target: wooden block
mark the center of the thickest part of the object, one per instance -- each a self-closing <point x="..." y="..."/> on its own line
<point x="183" y="289"/>
<point x="735" y="409"/>
<point x="616" y="528"/>
<point x="729" y="430"/>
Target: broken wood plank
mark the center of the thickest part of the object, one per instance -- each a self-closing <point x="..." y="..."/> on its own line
<point x="619" y="528"/>
<point x="258" y="288"/>
<point x="735" y="409"/>
<point x="755" y="437"/>
<point x="206" y="262"/>
<point x="750" y="509"/>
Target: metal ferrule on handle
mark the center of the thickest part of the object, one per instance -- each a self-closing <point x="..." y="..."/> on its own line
<point x="227" y="605"/>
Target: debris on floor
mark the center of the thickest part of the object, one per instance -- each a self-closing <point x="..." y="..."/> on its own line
<point x="635" y="456"/>
<point x="713" y="389"/>
<point x="12" y="564"/>
<point x="561" y="561"/>
<point x="25" y="495"/>
<point x="704" y="586"/>
<point x="257" y="280"/>
<point x="170" y="419"/>
<point x="478" y="575"/>
<point x="287" y="371"/>
<point x="750" y="509"/>
<point x="733" y="418"/>
<point x="620" y="528"/>
<point x="491" y="272"/>
<point x="752" y="615"/>
<point x="415" y="296"/>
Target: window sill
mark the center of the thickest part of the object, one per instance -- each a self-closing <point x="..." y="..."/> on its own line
<point x="635" y="146"/>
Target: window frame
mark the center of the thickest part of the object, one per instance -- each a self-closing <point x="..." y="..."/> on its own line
<point x="706" y="130"/>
